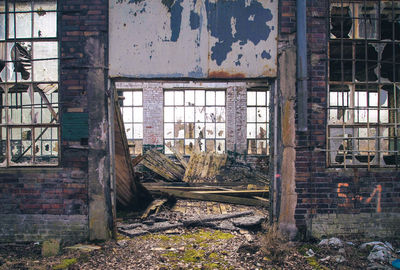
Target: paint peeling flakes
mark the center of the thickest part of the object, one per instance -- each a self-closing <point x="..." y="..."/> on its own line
<point x="233" y="26"/>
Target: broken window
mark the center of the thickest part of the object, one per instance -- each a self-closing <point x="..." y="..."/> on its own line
<point x="364" y="84"/>
<point x="29" y="119"/>
<point x="258" y="122"/>
<point x="194" y="120"/>
<point x="131" y="103"/>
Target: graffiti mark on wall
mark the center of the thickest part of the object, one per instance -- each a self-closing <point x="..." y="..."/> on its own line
<point x="348" y="199"/>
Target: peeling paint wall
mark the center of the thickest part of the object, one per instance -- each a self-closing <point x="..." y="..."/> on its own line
<point x="196" y="38"/>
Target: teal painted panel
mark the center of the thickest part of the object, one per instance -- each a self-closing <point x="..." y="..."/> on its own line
<point x="75" y="126"/>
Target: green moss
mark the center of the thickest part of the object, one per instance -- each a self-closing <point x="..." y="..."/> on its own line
<point x="312" y="261"/>
<point x="65" y="264"/>
<point x="193" y="255"/>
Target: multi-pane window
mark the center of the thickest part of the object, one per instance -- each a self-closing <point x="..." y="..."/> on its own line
<point x="194" y="120"/>
<point x="29" y="120"/>
<point x="364" y="83"/>
<point x="132" y="112"/>
<point x="257" y="122"/>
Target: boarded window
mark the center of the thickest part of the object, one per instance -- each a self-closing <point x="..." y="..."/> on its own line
<point x="29" y="121"/>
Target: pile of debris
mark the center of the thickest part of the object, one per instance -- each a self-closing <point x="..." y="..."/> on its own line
<point x="153" y="220"/>
<point x="186" y="180"/>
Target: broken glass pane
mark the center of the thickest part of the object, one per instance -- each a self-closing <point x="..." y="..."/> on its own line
<point x="169" y="98"/>
<point x="21" y="146"/>
<point x="179" y="114"/>
<point x="3" y="145"/>
<point x="189" y="114"/>
<point x="210" y="145"/>
<point x="251" y="131"/>
<point x="127" y="114"/>
<point x="200" y="145"/>
<point x="199" y="131"/>
<point x="189" y="146"/>
<point x="200" y="98"/>
<point x="189" y="130"/>
<point x="220" y="146"/>
<point x="128" y="98"/>
<point x="251" y="98"/>
<point x="169" y="131"/>
<point x="210" y="130"/>
<point x="2" y="21"/>
<point x="261" y="114"/>
<point x="210" y="115"/>
<point x="168" y="145"/>
<point x="137" y="114"/>
<point x="46" y="70"/>
<point x="368" y="21"/>
<point x="179" y="130"/>
<point x="44" y="22"/>
<point x="390" y="11"/>
<point x="251" y="147"/>
<point x="220" y="98"/>
<point x="46" y="146"/>
<point x="137" y="98"/>
<point x="366" y="62"/>
<point x="19" y="54"/>
<point x="262" y="147"/>
<point x="138" y="131"/>
<point x="189" y="98"/>
<point x="138" y="147"/>
<point x="337" y="73"/>
<point x="220" y="130"/>
<point x="179" y="98"/>
<point x="210" y="98"/>
<point x="220" y="114"/>
<point x="261" y="131"/>
<point x="341" y="21"/>
<point x="129" y="131"/>
<point x="200" y="114"/>
<point x="169" y="114"/>
<point x="180" y="146"/>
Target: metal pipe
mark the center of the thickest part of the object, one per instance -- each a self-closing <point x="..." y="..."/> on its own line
<point x="301" y="27"/>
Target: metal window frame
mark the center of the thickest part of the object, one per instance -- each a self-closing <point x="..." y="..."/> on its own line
<point x="267" y="123"/>
<point x="379" y="139"/>
<point x="184" y="139"/>
<point x="44" y="102"/>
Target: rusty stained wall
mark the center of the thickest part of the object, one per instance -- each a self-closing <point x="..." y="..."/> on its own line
<point x="193" y="38"/>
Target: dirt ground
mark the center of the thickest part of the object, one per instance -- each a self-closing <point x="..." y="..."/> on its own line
<point x="193" y="248"/>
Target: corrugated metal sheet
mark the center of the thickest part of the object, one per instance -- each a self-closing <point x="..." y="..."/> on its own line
<point x="193" y="38"/>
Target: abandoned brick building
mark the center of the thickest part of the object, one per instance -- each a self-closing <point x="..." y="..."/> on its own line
<point x="309" y="91"/>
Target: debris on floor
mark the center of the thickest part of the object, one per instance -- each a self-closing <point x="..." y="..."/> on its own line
<point x="180" y="217"/>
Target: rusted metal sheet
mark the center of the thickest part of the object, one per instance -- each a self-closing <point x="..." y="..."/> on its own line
<point x="194" y="39"/>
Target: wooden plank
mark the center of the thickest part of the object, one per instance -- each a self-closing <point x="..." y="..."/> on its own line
<point x="137" y="160"/>
<point x="179" y="156"/>
<point x="215" y="198"/>
<point x="162" y="165"/>
<point x="235" y="192"/>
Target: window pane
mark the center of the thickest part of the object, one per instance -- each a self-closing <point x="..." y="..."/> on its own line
<point x="3" y="144"/>
<point x="169" y="114"/>
<point x="261" y="114"/>
<point x="210" y="98"/>
<point x="220" y="98"/>
<point x="169" y="98"/>
<point x="189" y="130"/>
<point x="128" y="98"/>
<point x="129" y="131"/>
<point x="46" y="146"/>
<point x="210" y="114"/>
<point x="189" y="98"/>
<point x="220" y="130"/>
<point x="127" y="114"/>
<point x="189" y="114"/>
<point x="251" y="98"/>
<point x="137" y="98"/>
<point x="169" y="131"/>
<point x="21" y="146"/>
<point x="220" y="146"/>
<point x="138" y="114"/>
<point x="138" y="131"/>
<point x="261" y="98"/>
<point x="210" y="130"/>
<point x="200" y="114"/>
<point x="179" y="114"/>
<point x="220" y="114"/>
<point x="200" y="98"/>
<point x="45" y="24"/>
<point x="251" y="131"/>
<point x="179" y="98"/>
<point x="251" y="114"/>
